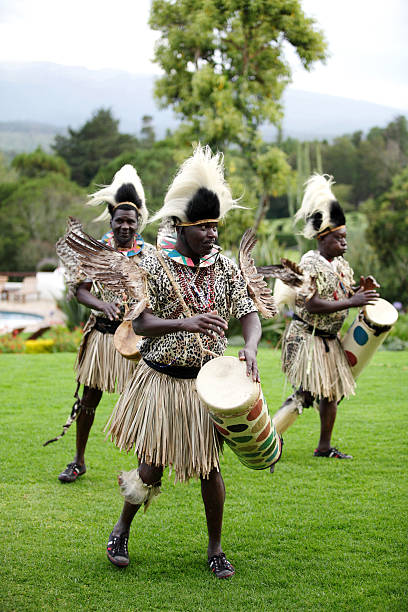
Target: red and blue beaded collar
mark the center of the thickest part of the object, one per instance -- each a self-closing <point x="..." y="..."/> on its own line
<point x="136" y="247"/>
<point x="167" y="245"/>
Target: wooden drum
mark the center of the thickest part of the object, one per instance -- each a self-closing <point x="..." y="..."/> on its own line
<point x="127" y="342"/>
<point x="367" y="332"/>
<point x="239" y="411"/>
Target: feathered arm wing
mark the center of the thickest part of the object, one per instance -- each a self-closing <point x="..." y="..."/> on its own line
<point x="288" y="272"/>
<point x="69" y="258"/>
<point x="103" y="264"/>
<point x="257" y="287"/>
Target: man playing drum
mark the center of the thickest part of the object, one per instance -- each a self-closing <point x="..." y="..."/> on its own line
<point x="99" y="366"/>
<point x="312" y="356"/>
<point x="193" y="290"/>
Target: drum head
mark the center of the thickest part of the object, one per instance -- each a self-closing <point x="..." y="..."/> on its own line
<point x="127" y="342"/>
<point x="223" y="385"/>
<point x="381" y="313"/>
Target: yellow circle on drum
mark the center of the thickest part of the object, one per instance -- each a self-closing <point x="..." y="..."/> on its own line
<point x="223" y="385"/>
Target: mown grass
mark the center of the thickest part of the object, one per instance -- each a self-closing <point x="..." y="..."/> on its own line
<point x="317" y="535"/>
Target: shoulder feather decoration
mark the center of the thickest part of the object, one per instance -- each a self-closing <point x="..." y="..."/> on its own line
<point x="69" y="258"/>
<point x="103" y="264"/>
<point x="257" y="287"/>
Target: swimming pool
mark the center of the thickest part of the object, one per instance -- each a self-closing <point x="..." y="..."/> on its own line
<point x="13" y="320"/>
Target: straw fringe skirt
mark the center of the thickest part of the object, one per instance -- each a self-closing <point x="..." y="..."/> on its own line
<point x="100" y="366"/>
<point x="306" y="362"/>
<point x="163" y="419"/>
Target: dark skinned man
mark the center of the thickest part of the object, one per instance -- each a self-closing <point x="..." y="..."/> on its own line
<point x="193" y="291"/>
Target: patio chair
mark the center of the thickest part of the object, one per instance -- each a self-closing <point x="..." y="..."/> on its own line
<point x="3" y="290"/>
<point x="28" y="288"/>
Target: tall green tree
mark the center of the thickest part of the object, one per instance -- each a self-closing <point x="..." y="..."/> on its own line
<point x="96" y="143"/>
<point x="225" y="70"/>
<point x="387" y="232"/>
<point x="38" y="163"/>
<point x="224" y="62"/>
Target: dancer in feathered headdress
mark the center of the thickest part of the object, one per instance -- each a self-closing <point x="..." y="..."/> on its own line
<point x="320" y="209"/>
<point x="199" y="192"/>
<point x="192" y="291"/>
<point x="99" y="366"/>
<point x="125" y="189"/>
<point x="312" y="356"/>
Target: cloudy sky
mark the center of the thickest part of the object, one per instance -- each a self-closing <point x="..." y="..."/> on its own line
<point x="367" y="42"/>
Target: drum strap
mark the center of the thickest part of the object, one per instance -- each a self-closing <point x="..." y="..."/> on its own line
<point x="324" y="335"/>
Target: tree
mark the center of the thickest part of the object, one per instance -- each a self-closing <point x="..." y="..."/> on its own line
<point x="96" y="143"/>
<point x="225" y="69"/>
<point x="33" y="215"/>
<point x="224" y="63"/>
<point x="38" y="163"/>
<point x="148" y="135"/>
<point x="387" y="232"/>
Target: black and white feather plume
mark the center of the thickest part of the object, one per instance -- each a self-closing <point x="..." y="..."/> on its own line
<point x="125" y="187"/>
<point x="199" y="190"/>
<point x="320" y="209"/>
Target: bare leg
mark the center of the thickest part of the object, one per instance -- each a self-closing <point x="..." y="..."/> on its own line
<point x="213" y="494"/>
<point x="89" y="402"/>
<point x="328" y="411"/>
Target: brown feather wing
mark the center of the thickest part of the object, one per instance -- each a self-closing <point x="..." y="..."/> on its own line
<point x="288" y="272"/>
<point x="257" y="287"/>
<point x="103" y="264"/>
<point x="69" y="257"/>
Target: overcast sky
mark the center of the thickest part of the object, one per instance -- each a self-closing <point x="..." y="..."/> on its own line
<point x="367" y="42"/>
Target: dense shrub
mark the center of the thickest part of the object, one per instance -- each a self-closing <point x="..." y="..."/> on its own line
<point x="11" y="343"/>
<point x="65" y="341"/>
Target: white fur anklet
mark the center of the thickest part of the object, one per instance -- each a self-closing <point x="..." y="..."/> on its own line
<point x="135" y="491"/>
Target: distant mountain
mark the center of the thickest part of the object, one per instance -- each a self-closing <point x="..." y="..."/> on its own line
<point x="51" y="97"/>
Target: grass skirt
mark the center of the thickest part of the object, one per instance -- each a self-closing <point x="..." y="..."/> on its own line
<point x="100" y="366"/>
<point x="305" y="361"/>
<point x="164" y="420"/>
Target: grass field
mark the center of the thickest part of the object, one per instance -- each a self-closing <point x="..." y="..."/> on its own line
<point x="318" y="534"/>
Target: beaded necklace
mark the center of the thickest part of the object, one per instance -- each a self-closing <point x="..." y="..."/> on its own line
<point x="196" y="291"/>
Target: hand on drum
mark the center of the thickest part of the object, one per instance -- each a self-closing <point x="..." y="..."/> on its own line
<point x="362" y="298"/>
<point x="210" y="324"/>
<point x="111" y="309"/>
<point x="368" y="283"/>
<point x="249" y="356"/>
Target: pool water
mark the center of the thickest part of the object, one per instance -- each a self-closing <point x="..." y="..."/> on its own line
<point x="13" y="320"/>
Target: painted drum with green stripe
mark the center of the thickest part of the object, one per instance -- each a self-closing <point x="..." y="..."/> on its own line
<point x="238" y="409"/>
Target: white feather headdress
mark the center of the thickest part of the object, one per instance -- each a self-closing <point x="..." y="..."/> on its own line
<point x="201" y="170"/>
<point x="108" y="194"/>
<point x="317" y="205"/>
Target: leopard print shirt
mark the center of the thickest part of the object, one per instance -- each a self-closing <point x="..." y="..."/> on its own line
<point x="219" y="287"/>
<point x="333" y="281"/>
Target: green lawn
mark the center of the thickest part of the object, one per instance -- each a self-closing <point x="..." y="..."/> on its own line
<point x="318" y="534"/>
